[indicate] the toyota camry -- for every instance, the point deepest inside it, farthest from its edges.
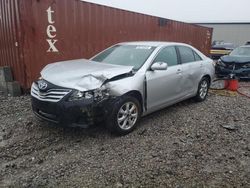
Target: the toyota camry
(121, 84)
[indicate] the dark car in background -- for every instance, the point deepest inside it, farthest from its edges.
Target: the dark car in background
(236, 63)
(220, 48)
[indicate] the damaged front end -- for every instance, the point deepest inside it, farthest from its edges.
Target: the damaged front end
(233, 66)
(76, 108)
(76, 100)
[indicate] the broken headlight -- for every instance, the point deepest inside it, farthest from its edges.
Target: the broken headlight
(220, 63)
(246, 66)
(97, 95)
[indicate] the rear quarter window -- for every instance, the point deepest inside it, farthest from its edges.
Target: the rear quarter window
(196, 56)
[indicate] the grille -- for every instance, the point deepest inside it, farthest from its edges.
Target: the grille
(52, 95)
(237, 66)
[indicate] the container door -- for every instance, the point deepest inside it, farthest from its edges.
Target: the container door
(10, 34)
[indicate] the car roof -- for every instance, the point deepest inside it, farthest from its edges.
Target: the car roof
(245, 46)
(152, 43)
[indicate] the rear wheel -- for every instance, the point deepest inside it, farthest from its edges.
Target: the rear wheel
(202, 90)
(124, 116)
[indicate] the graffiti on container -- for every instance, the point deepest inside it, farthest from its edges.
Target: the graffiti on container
(51, 32)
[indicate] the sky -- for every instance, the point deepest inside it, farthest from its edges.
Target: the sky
(193, 11)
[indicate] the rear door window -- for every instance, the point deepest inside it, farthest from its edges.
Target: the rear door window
(167, 55)
(186, 54)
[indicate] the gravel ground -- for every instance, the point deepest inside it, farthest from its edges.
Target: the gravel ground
(186, 145)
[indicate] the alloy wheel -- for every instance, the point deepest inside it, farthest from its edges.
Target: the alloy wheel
(203, 89)
(127, 115)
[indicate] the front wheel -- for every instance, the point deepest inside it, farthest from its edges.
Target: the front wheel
(124, 116)
(202, 90)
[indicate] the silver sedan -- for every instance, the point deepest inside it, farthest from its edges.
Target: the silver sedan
(122, 84)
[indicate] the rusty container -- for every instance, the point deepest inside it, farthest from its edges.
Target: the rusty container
(34, 33)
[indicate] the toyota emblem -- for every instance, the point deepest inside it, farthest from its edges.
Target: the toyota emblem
(42, 85)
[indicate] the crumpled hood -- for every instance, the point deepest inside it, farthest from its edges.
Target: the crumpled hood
(235, 59)
(82, 74)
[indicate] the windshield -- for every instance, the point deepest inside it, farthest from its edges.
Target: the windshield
(128, 55)
(241, 51)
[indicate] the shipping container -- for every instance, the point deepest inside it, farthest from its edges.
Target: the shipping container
(34, 33)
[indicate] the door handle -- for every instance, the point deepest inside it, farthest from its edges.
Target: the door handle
(179, 71)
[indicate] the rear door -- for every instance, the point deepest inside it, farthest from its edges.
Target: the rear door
(191, 65)
(163, 86)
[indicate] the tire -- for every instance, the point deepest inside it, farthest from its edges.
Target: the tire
(202, 90)
(124, 116)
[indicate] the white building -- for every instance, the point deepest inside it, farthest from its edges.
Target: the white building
(236, 33)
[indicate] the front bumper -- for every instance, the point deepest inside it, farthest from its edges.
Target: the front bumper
(53, 105)
(77, 113)
(243, 73)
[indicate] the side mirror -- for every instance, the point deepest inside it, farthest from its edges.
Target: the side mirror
(159, 66)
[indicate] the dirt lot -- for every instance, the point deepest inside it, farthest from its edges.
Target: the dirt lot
(187, 145)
